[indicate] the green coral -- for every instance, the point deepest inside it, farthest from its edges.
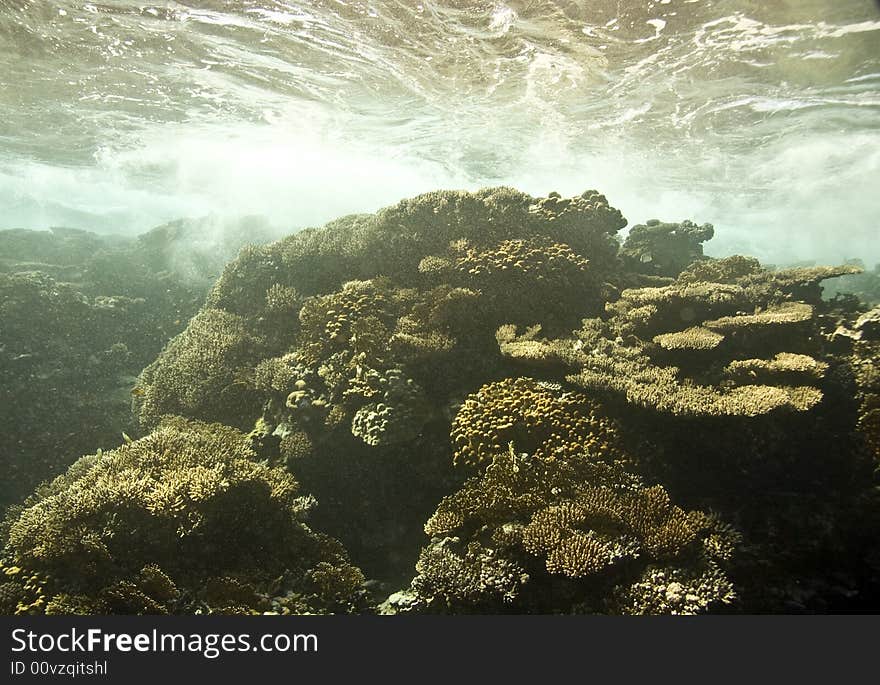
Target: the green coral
(665, 249)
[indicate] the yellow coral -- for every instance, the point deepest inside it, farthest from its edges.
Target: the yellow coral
(536, 417)
(601, 526)
(188, 498)
(785, 313)
(696, 338)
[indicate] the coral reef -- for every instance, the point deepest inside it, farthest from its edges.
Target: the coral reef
(557, 535)
(353, 343)
(82, 315)
(576, 425)
(500, 246)
(866, 365)
(535, 416)
(522, 281)
(664, 249)
(183, 520)
(553, 528)
(200, 373)
(865, 285)
(691, 348)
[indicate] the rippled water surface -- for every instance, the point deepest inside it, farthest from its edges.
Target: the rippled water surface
(761, 117)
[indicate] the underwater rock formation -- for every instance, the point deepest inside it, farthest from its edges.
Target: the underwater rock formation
(184, 520)
(664, 249)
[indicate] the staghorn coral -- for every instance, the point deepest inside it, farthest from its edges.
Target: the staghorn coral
(142, 528)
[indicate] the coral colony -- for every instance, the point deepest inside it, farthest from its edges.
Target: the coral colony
(465, 403)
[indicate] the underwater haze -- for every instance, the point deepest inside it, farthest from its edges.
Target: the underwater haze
(463, 307)
(760, 117)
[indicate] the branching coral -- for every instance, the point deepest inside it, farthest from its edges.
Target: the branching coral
(140, 527)
(600, 526)
(555, 516)
(201, 374)
(550, 523)
(785, 313)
